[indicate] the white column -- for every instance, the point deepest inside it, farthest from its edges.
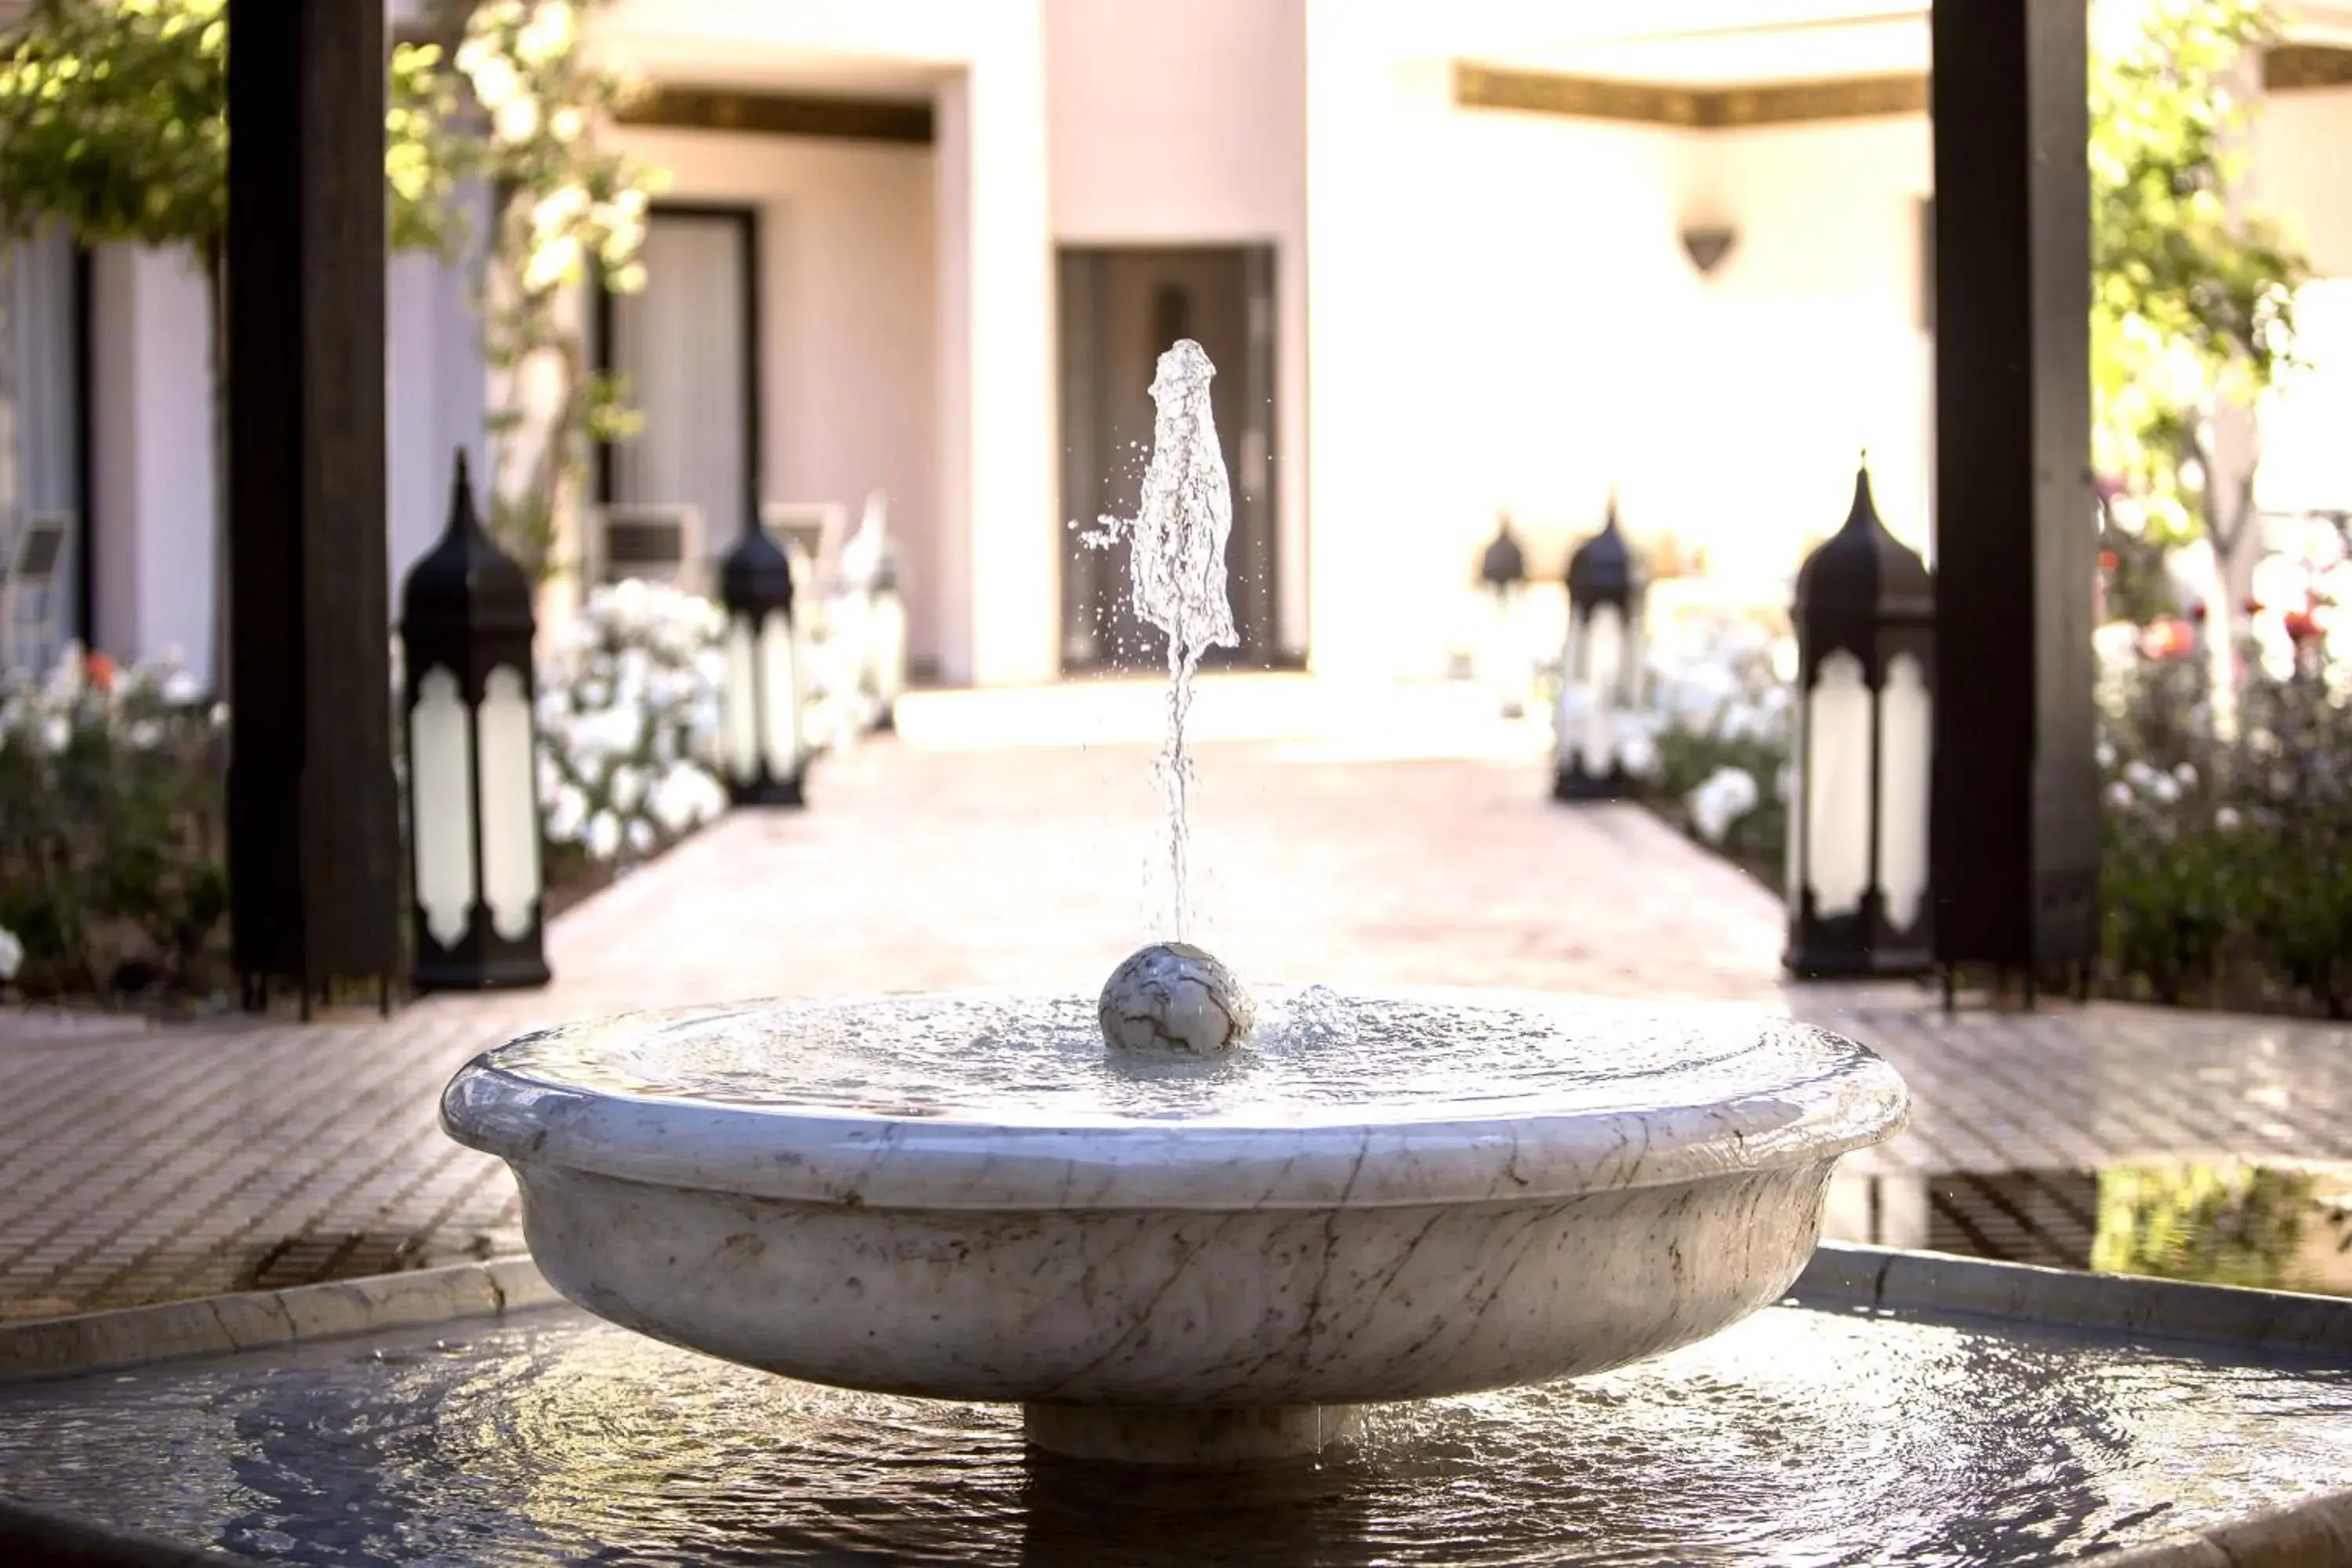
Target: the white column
(1355, 410)
(152, 455)
(999, 540)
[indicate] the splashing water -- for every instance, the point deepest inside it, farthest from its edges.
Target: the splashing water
(1177, 566)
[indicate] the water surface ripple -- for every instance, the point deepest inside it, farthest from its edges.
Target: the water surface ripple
(1799, 1436)
(1316, 1053)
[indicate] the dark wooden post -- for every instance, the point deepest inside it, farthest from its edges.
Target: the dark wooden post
(2014, 836)
(314, 833)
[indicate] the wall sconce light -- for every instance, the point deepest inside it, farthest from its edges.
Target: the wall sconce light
(1707, 245)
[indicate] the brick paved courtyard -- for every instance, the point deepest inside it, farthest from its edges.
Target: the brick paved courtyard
(139, 1164)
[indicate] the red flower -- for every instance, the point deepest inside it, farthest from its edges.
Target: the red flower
(2108, 561)
(2302, 627)
(2167, 639)
(98, 670)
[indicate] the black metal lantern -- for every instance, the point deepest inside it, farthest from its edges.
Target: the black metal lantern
(1862, 739)
(760, 746)
(1599, 667)
(466, 629)
(1503, 570)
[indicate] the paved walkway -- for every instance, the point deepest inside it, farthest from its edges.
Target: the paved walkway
(139, 1164)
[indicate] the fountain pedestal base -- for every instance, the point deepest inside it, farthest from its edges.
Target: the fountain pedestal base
(1139, 1436)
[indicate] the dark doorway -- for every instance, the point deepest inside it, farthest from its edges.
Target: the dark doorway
(686, 349)
(1120, 309)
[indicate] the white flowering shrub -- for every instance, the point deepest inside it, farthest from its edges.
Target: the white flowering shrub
(629, 708)
(112, 871)
(1709, 742)
(1724, 797)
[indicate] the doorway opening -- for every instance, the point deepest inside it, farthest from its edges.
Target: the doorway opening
(687, 350)
(1121, 308)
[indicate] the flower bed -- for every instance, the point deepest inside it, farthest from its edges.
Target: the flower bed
(1707, 747)
(113, 879)
(111, 807)
(628, 728)
(2224, 879)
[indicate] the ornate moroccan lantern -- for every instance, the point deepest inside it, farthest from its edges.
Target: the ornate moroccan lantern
(1601, 666)
(466, 629)
(1863, 738)
(760, 746)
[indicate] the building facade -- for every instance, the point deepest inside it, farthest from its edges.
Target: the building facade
(1448, 259)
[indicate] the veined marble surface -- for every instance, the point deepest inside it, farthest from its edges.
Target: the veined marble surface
(1375, 1198)
(987, 1101)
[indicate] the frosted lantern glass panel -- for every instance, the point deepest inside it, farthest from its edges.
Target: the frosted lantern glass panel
(1903, 729)
(440, 805)
(1837, 786)
(740, 741)
(510, 813)
(1604, 650)
(779, 695)
(1499, 660)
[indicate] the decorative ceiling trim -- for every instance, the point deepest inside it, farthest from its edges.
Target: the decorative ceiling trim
(1690, 107)
(2288, 68)
(905, 121)
(2294, 68)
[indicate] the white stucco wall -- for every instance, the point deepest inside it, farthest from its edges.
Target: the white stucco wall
(848, 305)
(2300, 143)
(435, 398)
(983, 60)
(1806, 346)
(151, 457)
(1498, 307)
(1186, 124)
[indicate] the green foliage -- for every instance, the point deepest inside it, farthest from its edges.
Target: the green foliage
(2192, 304)
(112, 867)
(114, 122)
(2220, 1225)
(2222, 878)
(567, 208)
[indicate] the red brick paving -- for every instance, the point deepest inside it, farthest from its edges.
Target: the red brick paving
(139, 1165)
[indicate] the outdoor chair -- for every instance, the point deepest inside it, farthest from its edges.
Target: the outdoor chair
(29, 593)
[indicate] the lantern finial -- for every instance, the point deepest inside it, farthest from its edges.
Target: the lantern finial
(462, 516)
(1865, 512)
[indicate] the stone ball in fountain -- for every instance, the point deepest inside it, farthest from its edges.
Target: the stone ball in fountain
(1172, 999)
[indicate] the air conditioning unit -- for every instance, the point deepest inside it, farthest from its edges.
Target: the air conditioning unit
(654, 543)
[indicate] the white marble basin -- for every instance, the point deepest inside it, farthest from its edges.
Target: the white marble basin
(1376, 1198)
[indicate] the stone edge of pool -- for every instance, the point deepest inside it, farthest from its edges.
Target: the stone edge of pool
(2312, 1531)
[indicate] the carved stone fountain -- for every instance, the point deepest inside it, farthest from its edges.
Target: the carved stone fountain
(1178, 1224)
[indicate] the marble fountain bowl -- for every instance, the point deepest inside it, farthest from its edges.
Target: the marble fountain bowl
(1376, 1198)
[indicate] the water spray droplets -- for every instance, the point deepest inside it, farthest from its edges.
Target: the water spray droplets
(1177, 563)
